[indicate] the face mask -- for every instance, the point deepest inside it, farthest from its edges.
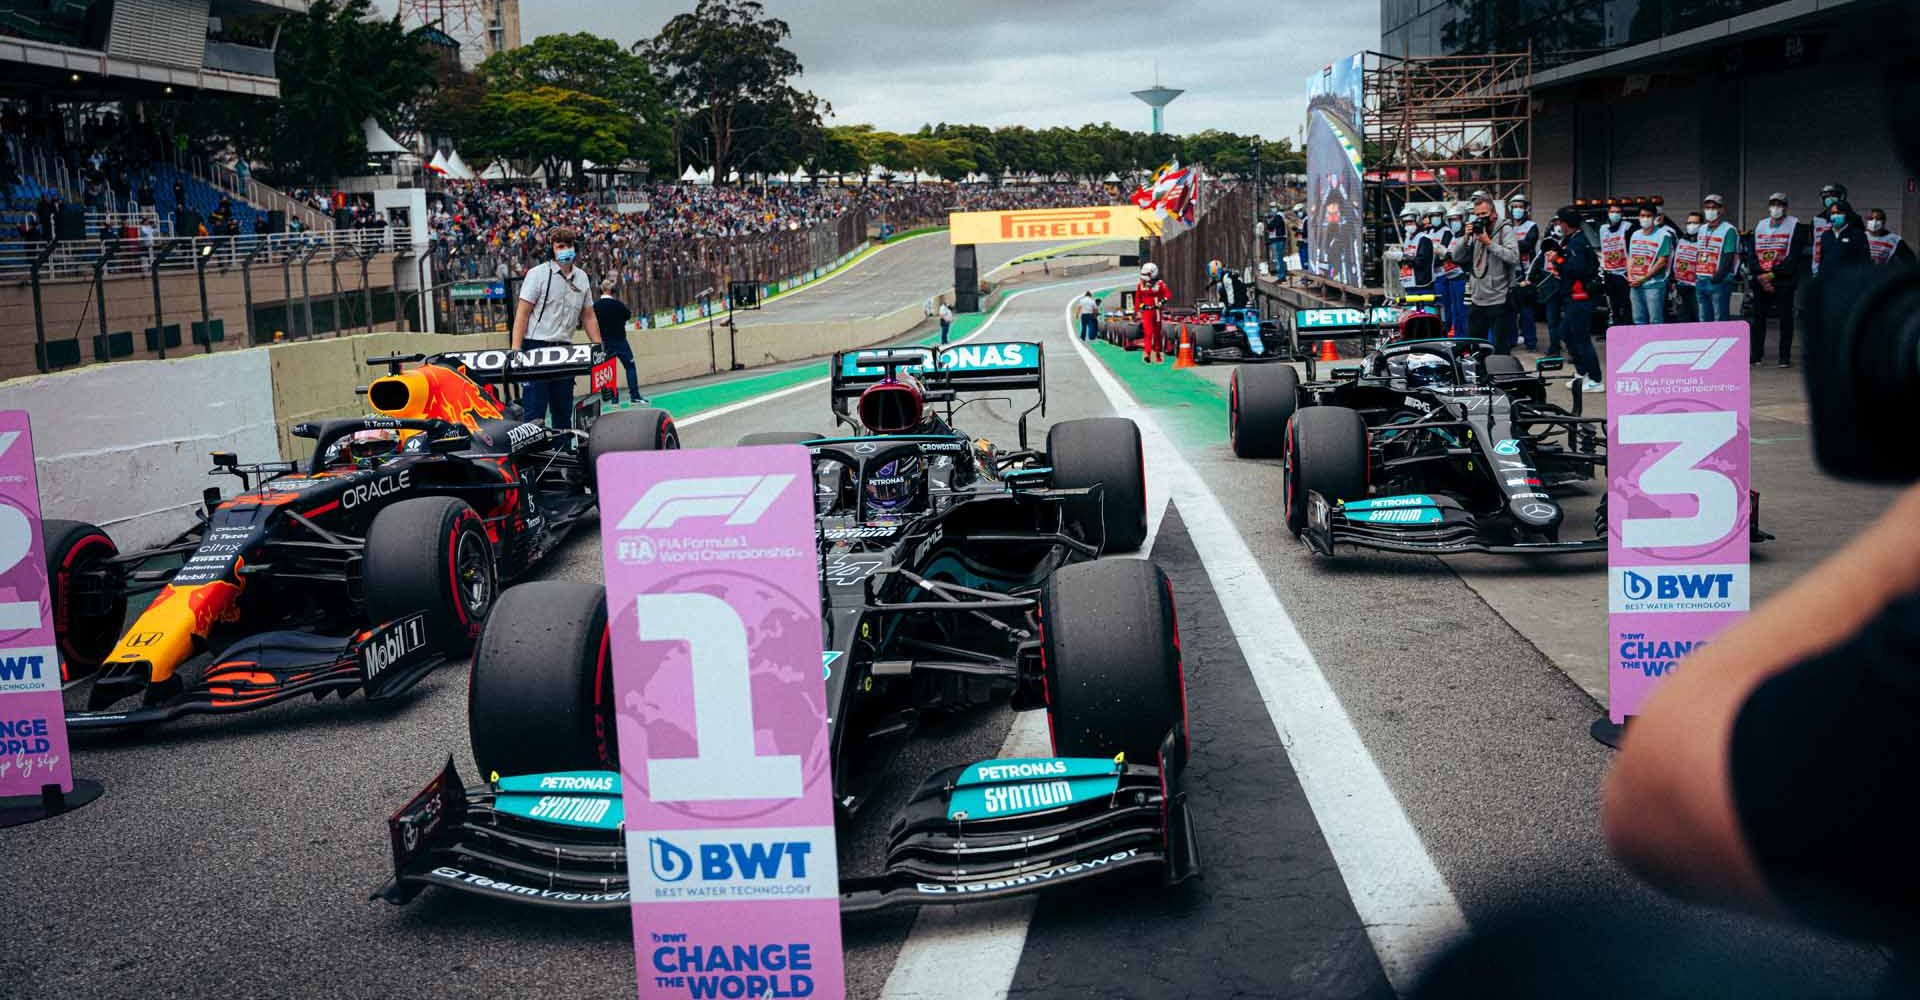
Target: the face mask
(1646, 222)
(1828, 200)
(1712, 214)
(563, 254)
(1876, 224)
(1777, 211)
(1456, 225)
(1519, 213)
(1693, 229)
(1837, 219)
(1411, 229)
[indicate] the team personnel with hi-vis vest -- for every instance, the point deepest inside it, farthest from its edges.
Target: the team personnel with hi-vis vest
(1779, 245)
(1526, 236)
(1649, 258)
(1614, 234)
(1719, 252)
(1416, 255)
(1453, 277)
(1882, 243)
(1686, 260)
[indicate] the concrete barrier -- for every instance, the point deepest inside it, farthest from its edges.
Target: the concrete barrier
(125, 445)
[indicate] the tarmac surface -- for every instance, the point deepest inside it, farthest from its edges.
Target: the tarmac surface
(235, 856)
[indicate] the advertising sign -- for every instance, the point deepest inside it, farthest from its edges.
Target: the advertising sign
(1120, 222)
(1678, 516)
(713, 583)
(1336, 224)
(33, 720)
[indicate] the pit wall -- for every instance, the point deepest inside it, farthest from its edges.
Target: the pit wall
(125, 445)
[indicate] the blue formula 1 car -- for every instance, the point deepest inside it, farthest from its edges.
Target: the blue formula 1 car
(941, 556)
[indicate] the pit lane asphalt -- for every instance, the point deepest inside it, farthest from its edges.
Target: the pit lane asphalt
(234, 856)
(901, 274)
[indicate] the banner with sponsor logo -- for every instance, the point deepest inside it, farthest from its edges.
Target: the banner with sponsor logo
(713, 584)
(1678, 516)
(1119, 222)
(33, 721)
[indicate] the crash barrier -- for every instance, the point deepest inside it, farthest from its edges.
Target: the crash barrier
(1223, 232)
(68, 304)
(669, 281)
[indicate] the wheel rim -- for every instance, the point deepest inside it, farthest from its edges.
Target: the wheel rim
(473, 581)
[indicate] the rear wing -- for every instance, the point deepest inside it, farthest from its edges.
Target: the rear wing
(496, 365)
(945, 372)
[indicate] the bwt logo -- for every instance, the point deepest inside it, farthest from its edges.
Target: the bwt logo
(1676, 586)
(726, 862)
(1696, 355)
(21, 668)
(739, 499)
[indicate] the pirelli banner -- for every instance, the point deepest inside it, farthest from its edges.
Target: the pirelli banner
(1119, 222)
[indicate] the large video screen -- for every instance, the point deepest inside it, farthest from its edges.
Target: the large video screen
(1336, 225)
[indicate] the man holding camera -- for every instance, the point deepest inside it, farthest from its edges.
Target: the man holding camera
(1490, 254)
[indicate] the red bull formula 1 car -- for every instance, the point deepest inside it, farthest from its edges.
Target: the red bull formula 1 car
(953, 575)
(359, 569)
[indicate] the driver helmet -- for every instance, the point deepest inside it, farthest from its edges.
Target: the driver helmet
(893, 486)
(892, 406)
(1149, 270)
(1214, 267)
(1424, 369)
(366, 446)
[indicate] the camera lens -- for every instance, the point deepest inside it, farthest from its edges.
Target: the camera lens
(1863, 371)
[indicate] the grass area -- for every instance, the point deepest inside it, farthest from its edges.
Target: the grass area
(1193, 409)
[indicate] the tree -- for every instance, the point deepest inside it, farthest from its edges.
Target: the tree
(337, 66)
(716, 62)
(552, 126)
(588, 64)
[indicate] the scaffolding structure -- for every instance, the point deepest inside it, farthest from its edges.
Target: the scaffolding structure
(481, 27)
(1440, 128)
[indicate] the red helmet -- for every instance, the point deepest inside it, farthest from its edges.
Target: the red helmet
(892, 406)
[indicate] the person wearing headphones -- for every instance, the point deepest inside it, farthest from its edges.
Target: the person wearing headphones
(555, 297)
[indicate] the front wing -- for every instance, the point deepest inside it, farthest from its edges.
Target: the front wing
(455, 838)
(1437, 527)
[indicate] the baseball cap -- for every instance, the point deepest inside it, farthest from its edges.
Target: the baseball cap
(1568, 215)
(1713, 199)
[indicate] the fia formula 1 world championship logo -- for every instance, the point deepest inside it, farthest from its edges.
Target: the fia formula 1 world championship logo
(1696, 355)
(741, 500)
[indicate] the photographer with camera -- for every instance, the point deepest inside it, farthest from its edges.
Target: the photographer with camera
(1490, 254)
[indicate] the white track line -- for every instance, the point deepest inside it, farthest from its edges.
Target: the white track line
(1402, 900)
(973, 950)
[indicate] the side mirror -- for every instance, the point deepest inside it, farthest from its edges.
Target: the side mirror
(226, 459)
(1347, 373)
(1552, 364)
(451, 443)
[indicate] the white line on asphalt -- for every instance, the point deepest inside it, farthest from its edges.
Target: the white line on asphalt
(1402, 900)
(963, 952)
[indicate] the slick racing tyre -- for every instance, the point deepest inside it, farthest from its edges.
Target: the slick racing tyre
(646, 429)
(777, 437)
(1205, 336)
(541, 697)
(1104, 451)
(432, 555)
(1504, 364)
(86, 625)
(1326, 453)
(1110, 652)
(1260, 401)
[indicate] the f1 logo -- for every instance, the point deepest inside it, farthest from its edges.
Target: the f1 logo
(1697, 355)
(739, 499)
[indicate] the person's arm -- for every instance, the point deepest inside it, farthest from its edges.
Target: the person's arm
(521, 314)
(1460, 250)
(1669, 808)
(1903, 251)
(590, 322)
(1503, 247)
(1661, 258)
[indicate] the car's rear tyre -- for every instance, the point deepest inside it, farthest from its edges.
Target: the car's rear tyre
(85, 626)
(1326, 453)
(1110, 653)
(1504, 364)
(431, 555)
(1104, 451)
(1260, 401)
(541, 696)
(644, 429)
(1204, 339)
(777, 437)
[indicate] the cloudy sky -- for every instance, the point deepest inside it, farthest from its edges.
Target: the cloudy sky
(899, 64)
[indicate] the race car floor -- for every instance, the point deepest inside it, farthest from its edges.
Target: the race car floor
(1383, 758)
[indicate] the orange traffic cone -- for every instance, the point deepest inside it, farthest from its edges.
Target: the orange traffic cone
(1185, 358)
(1328, 352)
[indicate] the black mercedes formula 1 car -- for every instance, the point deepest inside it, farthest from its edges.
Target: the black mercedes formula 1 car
(358, 569)
(1426, 445)
(953, 575)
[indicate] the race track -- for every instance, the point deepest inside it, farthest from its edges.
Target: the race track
(1387, 750)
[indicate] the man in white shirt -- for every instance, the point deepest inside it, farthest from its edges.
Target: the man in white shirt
(555, 297)
(1088, 309)
(946, 321)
